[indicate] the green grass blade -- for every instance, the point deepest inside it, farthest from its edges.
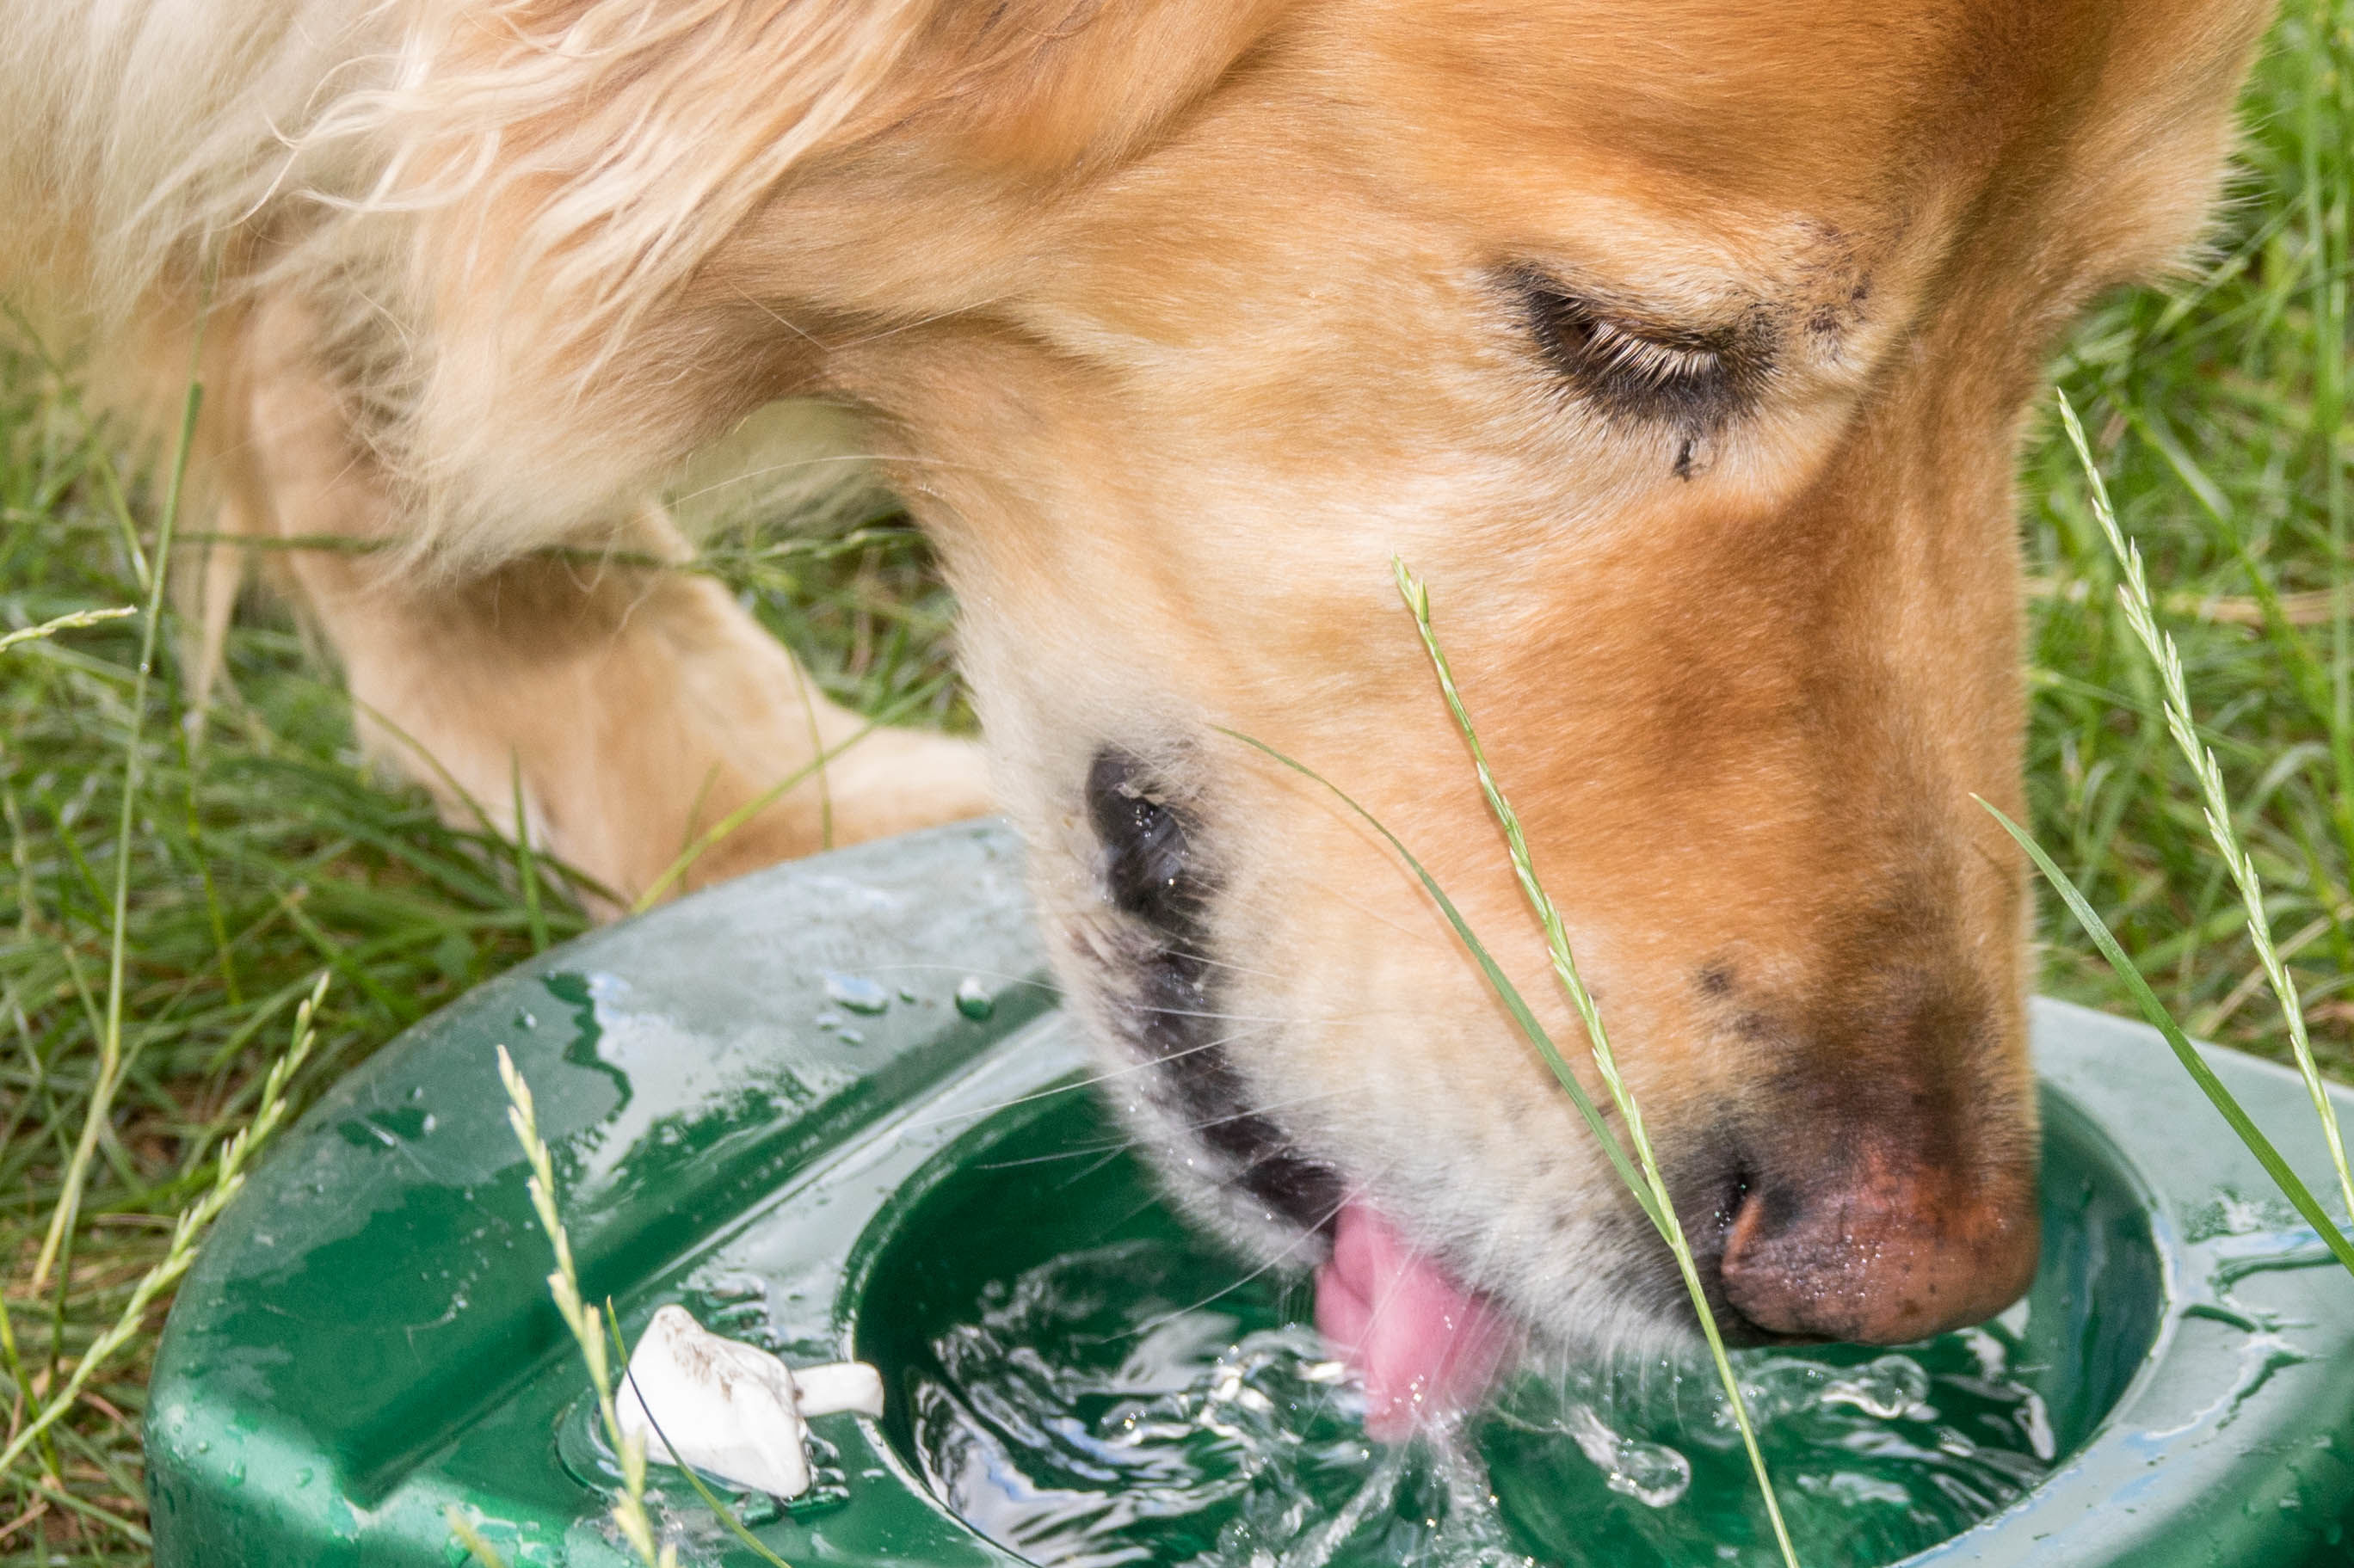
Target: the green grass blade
(1564, 965)
(112, 1065)
(462, 1530)
(744, 813)
(526, 863)
(726, 1515)
(629, 1510)
(2289, 1182)
(72, 622)
(2132, 594)
(1502, 983)
(802, 684)
(187, 1231)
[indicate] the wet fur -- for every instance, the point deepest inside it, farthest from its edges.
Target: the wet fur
(1174, 320)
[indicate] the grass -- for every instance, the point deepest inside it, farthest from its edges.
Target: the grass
(1661, 1209)
(2217, 411)
(2134, 598)
(1641, 1175)
(629, 1510)
(262, 854)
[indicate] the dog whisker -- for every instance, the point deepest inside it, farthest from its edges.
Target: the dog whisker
(1092, 1081)
(1267, 1266)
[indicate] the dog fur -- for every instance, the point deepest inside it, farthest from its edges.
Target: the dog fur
(1682, 345)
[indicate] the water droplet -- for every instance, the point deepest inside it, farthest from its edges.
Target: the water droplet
(973, 998)
(2035, 1420)
(1851, 1490)
(1887, 1387)
(856, 992)
(1651, 1473)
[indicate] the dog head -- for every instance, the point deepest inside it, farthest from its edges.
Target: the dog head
(1680, 347)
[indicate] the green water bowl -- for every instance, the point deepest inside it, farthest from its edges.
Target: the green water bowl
(823, 1105)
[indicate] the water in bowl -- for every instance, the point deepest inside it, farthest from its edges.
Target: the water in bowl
(1088, 1384)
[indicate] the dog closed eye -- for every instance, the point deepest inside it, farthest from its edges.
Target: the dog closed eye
(1693, 379)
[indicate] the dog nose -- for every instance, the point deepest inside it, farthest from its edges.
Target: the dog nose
(1874, 1246)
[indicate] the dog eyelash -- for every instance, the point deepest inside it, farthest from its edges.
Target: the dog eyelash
(1690, 380)
(1622, 353)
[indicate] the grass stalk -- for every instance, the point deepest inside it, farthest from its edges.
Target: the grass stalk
(2324, 224)
(478, 1547)
(1506, 991)
(92, 443)
(2292, 1186)
(526, 860)
(1662, 1208)
(74, 621)
(189, 1229)
(1643, 1182)
(111, 1062)
(263, 851)
(725, 1515)
(2134, 596)
(704, 842)
(629, 1513)
(801, 683)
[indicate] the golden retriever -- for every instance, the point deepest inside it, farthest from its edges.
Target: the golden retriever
(1682, 345)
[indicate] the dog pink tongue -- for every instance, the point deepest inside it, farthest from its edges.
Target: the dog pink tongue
(1426, 1347)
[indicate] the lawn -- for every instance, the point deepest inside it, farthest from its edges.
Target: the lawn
(260, 853)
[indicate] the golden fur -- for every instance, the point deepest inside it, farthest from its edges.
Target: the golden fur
(1175, 320)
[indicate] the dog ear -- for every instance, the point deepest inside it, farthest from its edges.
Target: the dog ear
(567, 171)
